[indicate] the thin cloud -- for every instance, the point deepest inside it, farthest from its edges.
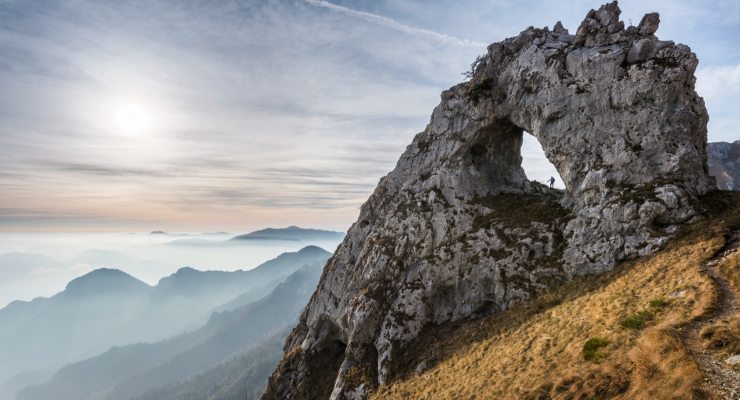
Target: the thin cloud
(401, 27)
(106, 171)
(267, 113)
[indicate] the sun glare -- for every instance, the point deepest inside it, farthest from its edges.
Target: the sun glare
(132, 118)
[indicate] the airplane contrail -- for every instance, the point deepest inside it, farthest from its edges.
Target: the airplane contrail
(393, 24)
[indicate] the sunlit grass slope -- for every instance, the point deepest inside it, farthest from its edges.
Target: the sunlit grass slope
(722, 338)
(612, 336)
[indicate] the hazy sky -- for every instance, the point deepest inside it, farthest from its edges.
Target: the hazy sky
(232, 115)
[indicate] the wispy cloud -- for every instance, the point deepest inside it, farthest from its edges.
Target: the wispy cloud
(396, 25)
(264, 112)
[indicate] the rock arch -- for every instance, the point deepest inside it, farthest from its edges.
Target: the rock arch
(454, 231)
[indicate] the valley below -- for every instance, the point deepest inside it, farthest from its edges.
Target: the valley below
(142, 340)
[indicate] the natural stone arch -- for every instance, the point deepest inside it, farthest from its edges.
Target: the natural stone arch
(495, 154)
(453, 232)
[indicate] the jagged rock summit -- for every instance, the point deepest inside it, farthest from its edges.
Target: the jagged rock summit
(456, 230)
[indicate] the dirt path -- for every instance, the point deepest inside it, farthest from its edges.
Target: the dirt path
(720, 376)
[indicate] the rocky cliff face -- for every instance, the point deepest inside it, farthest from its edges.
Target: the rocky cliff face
(724, 164)
(457, 231)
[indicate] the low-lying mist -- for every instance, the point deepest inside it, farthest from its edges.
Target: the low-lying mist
(187, 323)
(41, 264)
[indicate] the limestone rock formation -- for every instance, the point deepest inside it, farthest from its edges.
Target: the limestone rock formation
(724, 164)
(456, 230)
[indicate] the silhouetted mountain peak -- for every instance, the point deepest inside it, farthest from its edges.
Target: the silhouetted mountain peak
(188, 279)
(104, 280)
(312, 250)
(186, 270)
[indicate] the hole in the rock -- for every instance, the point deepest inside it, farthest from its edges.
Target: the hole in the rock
(536, 165)
(505, 156)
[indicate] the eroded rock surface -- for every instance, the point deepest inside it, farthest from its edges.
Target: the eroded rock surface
(456, 231)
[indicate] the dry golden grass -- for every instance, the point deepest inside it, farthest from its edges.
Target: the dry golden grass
(730, 269)
(535, 351)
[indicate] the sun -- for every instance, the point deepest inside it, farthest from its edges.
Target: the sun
(132, 118)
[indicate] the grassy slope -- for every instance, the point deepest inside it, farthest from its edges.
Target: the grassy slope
(536, 351)
(722, 338)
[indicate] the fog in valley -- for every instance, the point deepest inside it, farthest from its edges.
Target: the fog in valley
(176, 305)
(41, 264)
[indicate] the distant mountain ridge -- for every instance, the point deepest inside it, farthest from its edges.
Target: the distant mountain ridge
(723, 160)
(248, 337)
(105, 280)
(291, 233)
(109, 307)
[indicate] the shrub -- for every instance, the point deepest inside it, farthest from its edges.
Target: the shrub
(479, 90)
(658, 303)
(592, 349)
(637, 321)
